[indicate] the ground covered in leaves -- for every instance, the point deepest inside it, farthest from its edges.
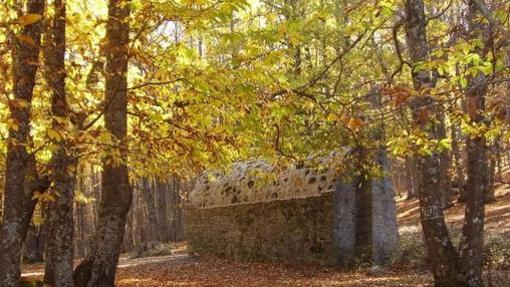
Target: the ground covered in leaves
(215, 272)
(409, 269)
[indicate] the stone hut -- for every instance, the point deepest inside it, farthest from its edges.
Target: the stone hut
(302, 215)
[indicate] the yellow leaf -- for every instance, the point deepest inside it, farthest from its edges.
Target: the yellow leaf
(13, 125)
(54, 134)
(36, 195)
(355, 123)
(105, 138)
(332, 117)
(29, 19)
(26, 39)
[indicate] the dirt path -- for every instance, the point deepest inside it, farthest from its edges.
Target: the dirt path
(37, 270)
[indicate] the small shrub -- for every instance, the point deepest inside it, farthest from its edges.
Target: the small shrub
(160, 249)
(411, 252)
(497, 251)
(497, 259)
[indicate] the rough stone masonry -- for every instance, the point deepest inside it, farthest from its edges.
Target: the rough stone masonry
(300, 215)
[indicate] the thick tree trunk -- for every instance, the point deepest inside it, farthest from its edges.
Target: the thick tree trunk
(80, 217)
(442, 255)
(471, 248)
(59, 253)
(490, 192)
(98, 269)
(129, 241)
(18, 203)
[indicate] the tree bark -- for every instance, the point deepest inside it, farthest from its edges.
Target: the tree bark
(444, 166)
(471, 247)
(142, 228)
(174, 186)
(59, 249)
(18, 202)
(458, 162)
(34, 244)
(490, 191)
(442, 255)
(98, 269)
(163, 222)
(412, 178)
(148, 196)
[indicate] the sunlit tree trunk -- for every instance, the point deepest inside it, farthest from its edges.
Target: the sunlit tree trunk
(18, 202)
(99, 268)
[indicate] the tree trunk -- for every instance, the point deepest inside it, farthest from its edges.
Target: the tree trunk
(444, 166)
(412, 178)
(364, 219)
(18, 202)
(176, 224)
(80, 217)
(142, 228)
(33, 250)
(98, 269)
(490, 193)
(148, 196)
(129, 241)
(458, 162)
(471, 247)
(163, 223)
(59, 253)
(442, 255)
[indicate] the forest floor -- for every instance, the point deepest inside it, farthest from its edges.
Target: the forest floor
(181, 269)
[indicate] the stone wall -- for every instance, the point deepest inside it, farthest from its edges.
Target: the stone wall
(296, 230)
(310, 215)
